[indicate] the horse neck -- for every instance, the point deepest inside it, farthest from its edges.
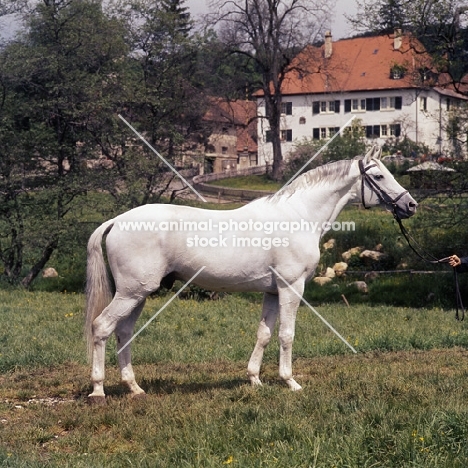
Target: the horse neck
(326, 199)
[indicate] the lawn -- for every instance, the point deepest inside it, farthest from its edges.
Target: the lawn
(402, 401)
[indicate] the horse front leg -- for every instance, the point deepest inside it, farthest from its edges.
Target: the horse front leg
(265, 330)
(288, 304)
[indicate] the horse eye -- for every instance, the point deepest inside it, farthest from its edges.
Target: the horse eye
(378, 177)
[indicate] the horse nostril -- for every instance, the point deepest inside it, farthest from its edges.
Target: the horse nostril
(413, 205)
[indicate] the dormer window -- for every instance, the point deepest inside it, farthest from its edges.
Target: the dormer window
(397, 72)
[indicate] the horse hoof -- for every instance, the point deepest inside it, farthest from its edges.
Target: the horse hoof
(96, 400)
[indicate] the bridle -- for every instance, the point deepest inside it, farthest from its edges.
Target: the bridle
(388, 200)
(374, 186)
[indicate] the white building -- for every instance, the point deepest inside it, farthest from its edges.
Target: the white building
(387, 82)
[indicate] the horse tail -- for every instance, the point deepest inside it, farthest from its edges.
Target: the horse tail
(98, 288)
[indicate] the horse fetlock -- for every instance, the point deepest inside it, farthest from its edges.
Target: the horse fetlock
(255, 381)
(293, 385)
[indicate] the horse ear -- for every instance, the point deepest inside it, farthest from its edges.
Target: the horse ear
(378, 153)
(369, 155)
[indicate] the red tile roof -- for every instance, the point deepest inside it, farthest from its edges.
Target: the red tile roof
(241, 114)
(358, 64)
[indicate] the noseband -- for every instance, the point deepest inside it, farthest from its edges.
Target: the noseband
(381, 195)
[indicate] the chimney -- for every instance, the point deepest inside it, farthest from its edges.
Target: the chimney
(397, 39)
(328, 45)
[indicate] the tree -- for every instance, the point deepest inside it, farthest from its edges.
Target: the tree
(163, 100)
(352, 143)
(56, 78)
(269, 33)
(440, 26)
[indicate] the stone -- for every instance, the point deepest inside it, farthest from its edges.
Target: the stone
(349, 253)
(330, 273)
(371, 255)
(321, 280)
(340, 268)
(49, 273)
(330, 244)
(371, 276)
(361, 286)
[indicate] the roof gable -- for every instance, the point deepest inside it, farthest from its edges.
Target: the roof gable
(357, 64)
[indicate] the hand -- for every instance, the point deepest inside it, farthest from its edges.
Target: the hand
(454, 261)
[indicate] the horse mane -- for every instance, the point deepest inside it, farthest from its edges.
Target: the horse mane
(317, 176)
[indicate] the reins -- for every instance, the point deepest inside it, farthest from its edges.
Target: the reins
(425, 256)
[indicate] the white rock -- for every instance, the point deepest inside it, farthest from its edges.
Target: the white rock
(361, 286)
(321, 280)
(339, 268)
(50, 273)
(329, 244)
(330, 273)
(349, 253)
(372, 255)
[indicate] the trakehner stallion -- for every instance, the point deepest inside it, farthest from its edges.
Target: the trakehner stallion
(141, 260)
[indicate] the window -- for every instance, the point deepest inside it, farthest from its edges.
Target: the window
(373, 104)
(383, 130)
(326, 107)
(286, 135)
(302, 121)
(383, 103)
(224, 150)
(355, 105)
(373, 131)
(286, 108)
(268, 136)
(324, 132)
(332, 131)
(423, 103)
(395, 130)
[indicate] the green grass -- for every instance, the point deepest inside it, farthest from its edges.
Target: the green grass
(402, 401)
(250, 182)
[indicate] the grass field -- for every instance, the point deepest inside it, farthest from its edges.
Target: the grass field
(402, 401)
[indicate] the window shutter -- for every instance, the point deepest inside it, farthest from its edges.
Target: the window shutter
(337, 107)
(289, 108)
(368, 131)
(316, 133)
(376, 130)
(288, 135)
(398, 102)
(376, 103)
(397, 130)
(316, 107)
(347, 105)
(268, 136)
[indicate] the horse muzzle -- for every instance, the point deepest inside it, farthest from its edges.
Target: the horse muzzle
(405, 207)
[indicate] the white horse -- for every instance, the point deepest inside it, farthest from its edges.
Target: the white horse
(270, 245)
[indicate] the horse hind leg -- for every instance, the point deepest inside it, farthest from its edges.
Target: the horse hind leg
(103, 326)
(124, 333)
(288, 305)
(264, 334)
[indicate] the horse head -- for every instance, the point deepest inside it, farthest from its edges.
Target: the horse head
(378, 186)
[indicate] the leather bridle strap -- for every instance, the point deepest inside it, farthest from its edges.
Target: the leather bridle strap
(381, 195)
